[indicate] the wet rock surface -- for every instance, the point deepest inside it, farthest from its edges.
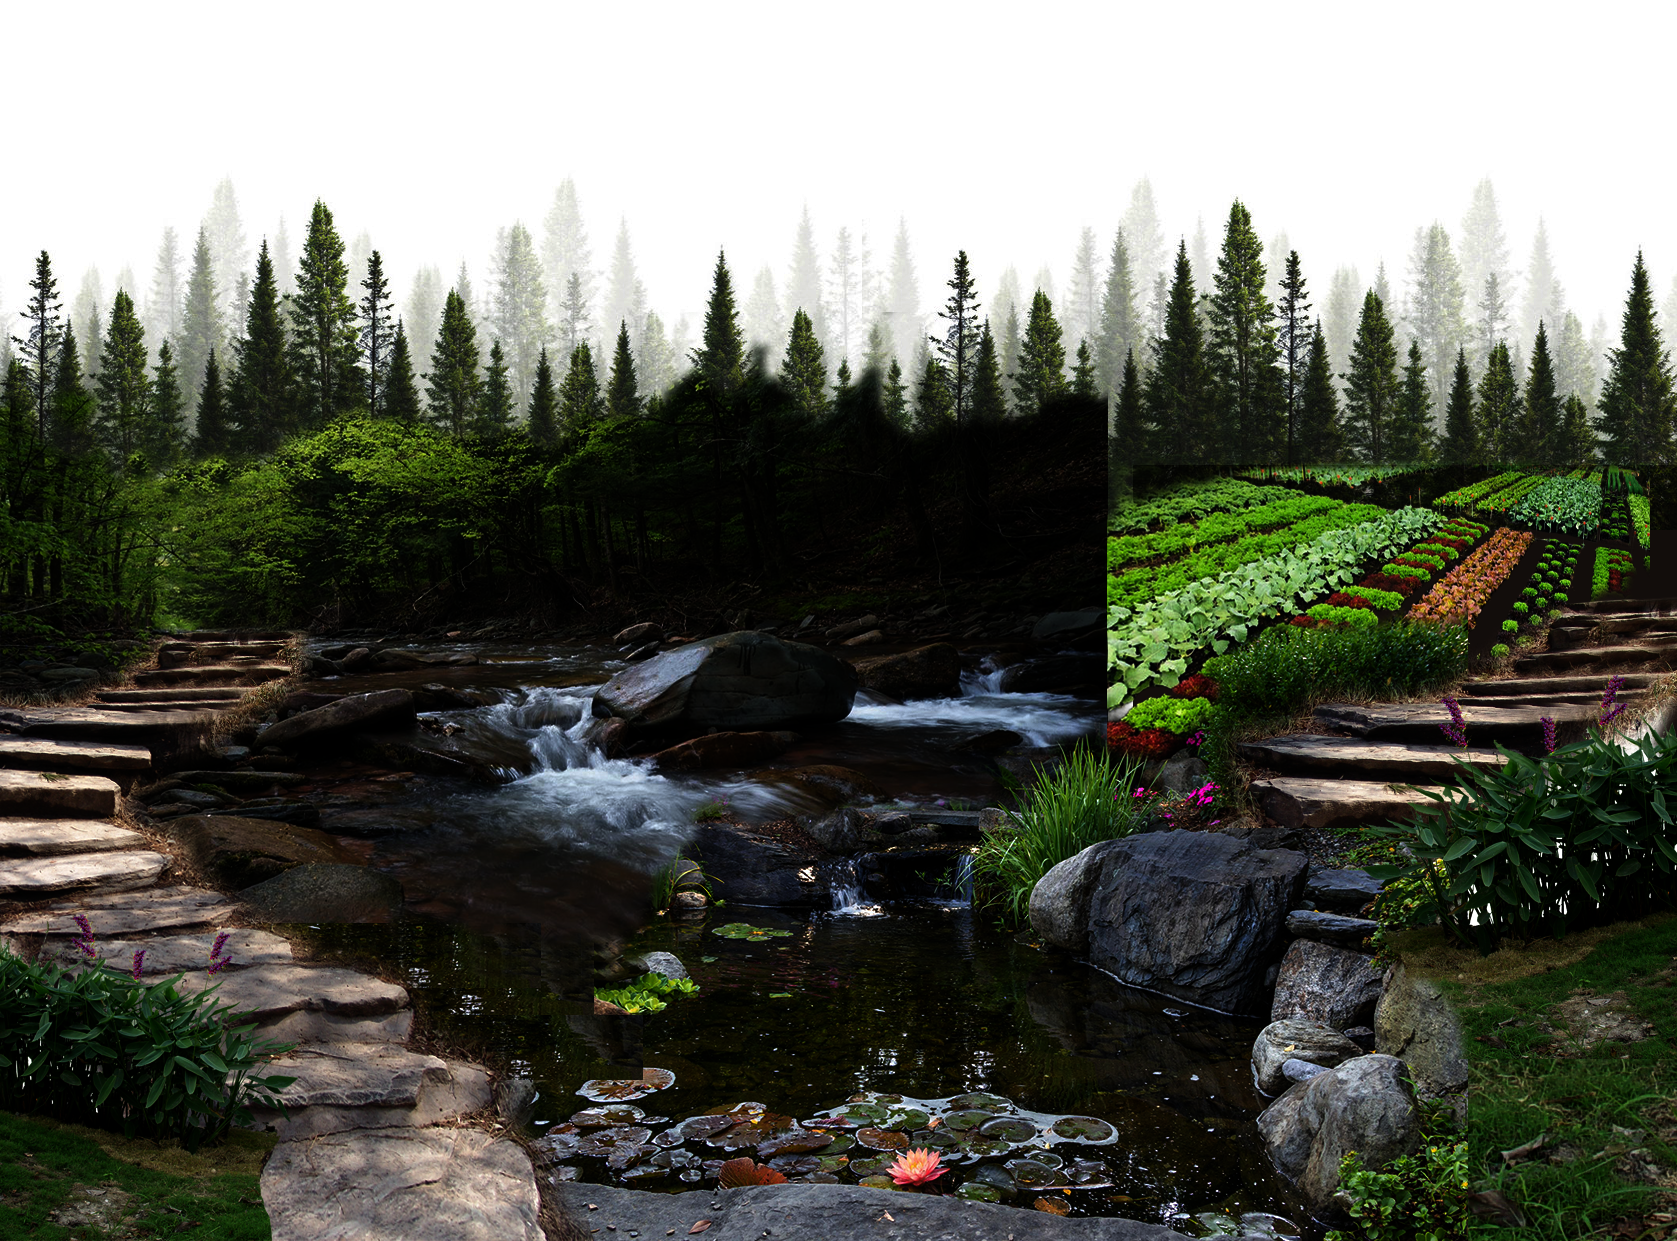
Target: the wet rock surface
(242, 852)
(354, 713)
(1334, 987)
(1364, 1105)
(1293, 1039)
(1413, 1021)
(324, 892)
(926, 672)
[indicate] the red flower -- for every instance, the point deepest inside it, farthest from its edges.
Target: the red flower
(1196, 686)
(1142, 742)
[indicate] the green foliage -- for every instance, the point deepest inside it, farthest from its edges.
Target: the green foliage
(100, 1047)
(1419, 1197)
(1384, 600)
(1354, 618)
(1175, 715)
(1510, 626)
(680, 875)
(1520, 609)
(1191, 502)
(1042, 358)
(648, 994)
(1214, 528)
(1500, 650)
(712, 810)
(1372, 389)
(1560, 505)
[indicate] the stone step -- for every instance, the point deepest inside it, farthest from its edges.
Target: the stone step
(60, 837)
(241, 781)
(1553, 700)
(210, 652)
(1330, 928)
(239, 637)
(1555, 685)
(170, 954)
(179, 693)
(267, 991)
(45, 754)
(34, 879)
(1355, 758)
(213, 674)
(305, 1026)
(53, 795)
(343, 1086)
(1610, 622)
(1648, 607)
(128, 913)
(168, 704)
(162, 730)
(1420, 721)
(1588, 656)
(1299, 801)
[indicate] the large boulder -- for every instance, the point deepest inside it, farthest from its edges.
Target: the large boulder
(1196, 915)
(1416, 1023)
(324, 892)
(1082, 675)
(926, 672)
(1332, 986)
(735, 682)
(724, 750)
(1060, 899)
(1364, 1105)
(744, 868)
(1281, 1041)
(385, 708)
(241, 852)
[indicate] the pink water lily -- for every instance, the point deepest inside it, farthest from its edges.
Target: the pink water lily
(917, 1167)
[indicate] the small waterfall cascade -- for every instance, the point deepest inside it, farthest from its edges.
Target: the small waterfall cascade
(961, 879)
(844, 880)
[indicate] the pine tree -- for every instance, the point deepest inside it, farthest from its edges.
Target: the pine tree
(762, 322)
(1120, 330)
(1435, 312)
(86, 315)
(1083, 374)
(1498, 411)
(163, 307)
(225, 233)
(933, 405)
(1144, 238)
(1371, 385)
(1345, 299)
(1577, 440)
(123, 387)
(625, 294)
(804, 370)
(451, 387)
(896, 396)
(877, 356)
(623, 398)
(565, 252)
(165, 427)
(1484, 245)
(1545, 300)
(1411, 436)
(518, 308)
(201, 322)
(1575, 360)
(1292, 338)
(543, 423)
(1179, 396)
(323, 337)
(989, 402)
(1637, 405)
(1542, 430)
(721, 360)
(425, 303)
(212, 437)
(803, 280)
(579, 398)
(1321, 436)
(1041, 369)
(1241, 348)
(261, 393)
(1129, 427)
(495, 398)
(1083, 291)
(70, 428)
(1460, 445)
(1492, 324)
(39, 347)
(573, 313)
(376, 334)
(399, 401)
(903, 300)
(957, 348)
(850, 284)
(657, 359)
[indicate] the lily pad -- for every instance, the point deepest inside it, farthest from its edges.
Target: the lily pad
(744, 930)
(560, 1175)
(796, 1142)
(973, 1191)
(1047, 1159)
(795, 1165)
(871, 1113)
(627, 1154)
(961, 1122)
(1028, 1174)
(832, 1163)
(882, 1139)
(997, 1178)
(982, 1101)
(871, 1167)
(878, 1182)
(740, 1111)
(1088, 1174)
(691, 1176)
(675, 1159)
(642, 1173)
(696, 1127)
(658, 1079)
(977, 1147)
(1008, 1129)
(1054, 1206)
(905, 1118)
(841, 1142)
(936, 1139)
(605, 1141)
(752, 1132)
(669, 1138)
(820, 1178)
(616, 1090)
(1083, 1129)
(605, 1117)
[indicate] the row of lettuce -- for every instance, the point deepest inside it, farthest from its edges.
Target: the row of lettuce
(1580, 504)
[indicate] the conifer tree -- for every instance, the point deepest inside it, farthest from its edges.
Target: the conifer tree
(1083, 374)
(543, 422)
(165, 427)
(625, 294)
(399, 401)
(38, 348)
(721, 359)
(70, 428)
(1637, 408)
(1293, 336)
(1241, 349)
(1436, 312)
(876, 356)
(1460, 445)
(957, 348)
(804, 369)
(260, 397)
(451, 387)
(989, 402)
(1411, 438)
(1321, 436)
(1542, 430)
(1577, 440)
(579, 398)
(201, 322)
(565, 252)
(1083, 291)
(495, 400)
(933, 405)
(163, 307)
(1498, 411)
(323, 341)
(1041, 368)
(123, 387)
(1179, 397)
(803, 281)
(213, 436)
(623, 398)
(376, 334)
(1119, 332)
(518, 307)
(1129, 425)
(1371, 385)
(896, 396)
(843, 381)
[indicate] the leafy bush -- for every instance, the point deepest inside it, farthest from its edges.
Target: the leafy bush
(1191, 501)
(1140, 743)
(1214, 528)
(1520, 609)
(1196, 686)
(1173, 715)
(100, 1048)
(1356, 618)
(1463, 497)
(1500, 650)
(1565, 505)
(1385, 600)
(1435, 549)
(1419, 1197)
(1287, 668)
(1406, 570)
(1510, 626)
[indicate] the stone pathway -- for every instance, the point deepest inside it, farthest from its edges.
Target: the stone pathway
(367, 1145)
(1344, 777)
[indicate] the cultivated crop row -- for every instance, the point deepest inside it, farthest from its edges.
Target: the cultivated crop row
(1213, 528)
(1335, 475)
(1570, 506)
(1466, 497)
(1462, 592)
(1194, 501)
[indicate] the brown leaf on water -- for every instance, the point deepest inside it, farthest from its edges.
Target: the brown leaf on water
(1052, 1205)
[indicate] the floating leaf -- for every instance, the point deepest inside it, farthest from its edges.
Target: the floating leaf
(1089, 1174)
(643, 1172)
(796, 1165)
(1028, 1174)
(878, 1182)
(612, 1090)
(602, 1117)
(972, 1191)
(1083, 1129)
(747, 1171)
(882, 1139)
(1054, 1206)
(605, 1141)
(984, 1148)
(658, 1079)
(1047, 1159)
(744, 930)
(695, 1127)
(870, 1112)
(797, 1142)
(981, 1101)
(627, 1154)
(905, 1118)
(960, 1122)
(870, 1167)
(1008, 1129)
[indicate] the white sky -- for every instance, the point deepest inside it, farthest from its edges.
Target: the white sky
(1001, 129)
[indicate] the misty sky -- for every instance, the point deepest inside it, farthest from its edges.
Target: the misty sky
(999, 129)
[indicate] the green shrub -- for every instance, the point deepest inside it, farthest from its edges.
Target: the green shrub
(1386, 600)
(1419, 1197)
(1405, 570)
(1355, 618)
(1520, 609)
(1530, 592)
(1510, 626)
(1499, 650)
(1175, 715)
(99, 1048)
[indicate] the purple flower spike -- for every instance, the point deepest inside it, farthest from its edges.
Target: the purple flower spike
(1548, 734)
(85, 943)
(139, 962)
(217, 961)
(1456, 729)
(1611, 708)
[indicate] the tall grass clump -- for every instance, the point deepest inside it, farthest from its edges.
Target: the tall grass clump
(1081, 804)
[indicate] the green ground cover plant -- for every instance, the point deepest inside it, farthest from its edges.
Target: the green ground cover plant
(1338, 475)
(1500, 502)
(1384, 600)
(1465, 497)
(1213, 528)
(650, 993)
(1569, 506)
(1193, 501)
(1174, 715)
(1356, 618)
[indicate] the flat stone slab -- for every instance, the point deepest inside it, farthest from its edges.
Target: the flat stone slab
(241, 781)
(171, 954)
(1554, 700)
(270, 990)
(1301, 801)
(347, 1086)
(127, 913)
(304, 1026)
(43, 753)
(1555, 685)
(823, 1213)
(403, 1185)
(1341, 889)
(181, 693)
(53, 795)
(1356, 758)
(59, 837)
(1584, 655)
(33, 879)
(1328, 928)
(106, 726)
(1421, 721)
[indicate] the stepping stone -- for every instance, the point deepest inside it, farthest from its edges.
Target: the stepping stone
(33, 879)
(183, 693)
(1661, 607)
(402, 1185)
(272, 990)
(1299, 801)
(317, 1027)
(171, 727)
(1354, 758)
(51, 795)
(1348, 889)
(1329, 928)
(43, 754)
(1556, 685)
(1584, 656)
(236, 637)
(127, 913)
(1421, 721)
(1553, 700)
(56, 837)
(360, 1086)
(213, 674)
(173, 704)
(171, 954)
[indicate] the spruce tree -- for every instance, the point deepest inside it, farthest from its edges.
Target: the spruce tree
(495, 400)
(1411, 437)
(543, 422)
(1120, 328)
(261, 395)
(989, 402)
(451, 387)
(123, 387)
(623, 398)
(579, 399)
(1542, 430)
(1371, 385)
(1577, 441)
(1179, 396)
(957, 348)
(1321, 435)
(38, 348)
(1041, 368)
(934, 407)
(399, 401)
(1241, 349)
(721, 359)
(1460, 445)
(1498, 410)
(1083, 374)
(201, 322)
(1129, 427)
(877, 356)
(843, 381)
(70, 427)
(518, 307)
(323, 343)
(1293, 336)
(1436, 310)
(376, 334)
(212, 437)
(804, 371)
(896, 396)
(573, 313)
(165, 431)
(1637, 408)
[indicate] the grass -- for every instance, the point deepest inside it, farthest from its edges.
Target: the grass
(1605, 1110)
(59, 1182)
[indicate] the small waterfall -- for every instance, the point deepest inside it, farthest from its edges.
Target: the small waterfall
(844, 880)
(962, 880)
(987, 680)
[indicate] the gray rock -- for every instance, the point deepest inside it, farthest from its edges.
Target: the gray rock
(37, 878)
(41, 753)
(358, 711)
(893, 823)
(1345, 890)
(1300, 1070)
(515, 1101)
(1309, 801)
(1293, 1039)
(242, 781)
(839, 831)
(305, 1026)
(128, 913)
(267, 991)
(402, 1185)
(1194, 915)
(1063, 626)
(827, 1213)
(746, 869)
(1334, 987)
(50, 795)
(64, 676)
(665, 964)
(170, 954)
(1359, 759)
(1416, 1023)
(926, 672)
(1365, 1105)
(641, 653)
(992, 820)
(733, 682)
(1183, 773)
(638, 635)
(1326, 928)
(241, 851)
(324, 892)
(851, 628)
(1059, 907)
(57, 837)
(370, 1086)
